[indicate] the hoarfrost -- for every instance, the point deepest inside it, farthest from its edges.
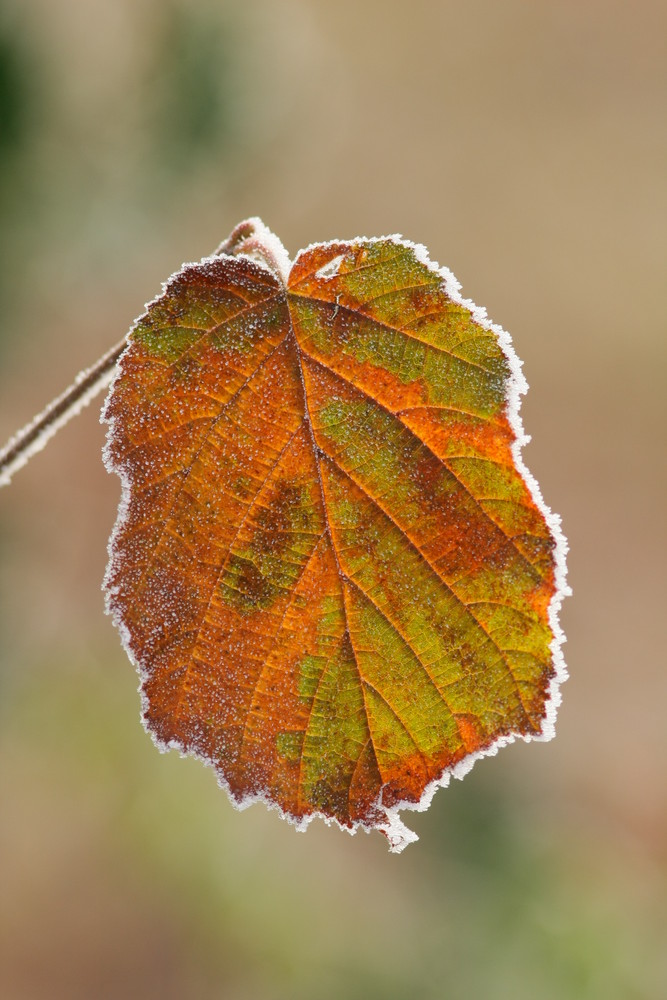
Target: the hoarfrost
(331, 268)
(397, 833)
(32, 438)
(255, 241)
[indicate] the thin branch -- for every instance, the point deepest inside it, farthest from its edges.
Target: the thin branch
(32, 438)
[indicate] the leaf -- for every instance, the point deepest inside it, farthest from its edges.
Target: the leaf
(336, 577)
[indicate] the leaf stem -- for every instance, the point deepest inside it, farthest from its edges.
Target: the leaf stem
(251, 238)
(33, 437)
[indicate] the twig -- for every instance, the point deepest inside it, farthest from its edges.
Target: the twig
(32, 438)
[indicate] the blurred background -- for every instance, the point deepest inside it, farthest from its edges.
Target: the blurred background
(526, 145)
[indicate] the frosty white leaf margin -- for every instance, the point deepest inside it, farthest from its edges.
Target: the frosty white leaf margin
(253, 239)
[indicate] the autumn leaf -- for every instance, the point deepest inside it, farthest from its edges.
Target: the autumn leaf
(330, 566)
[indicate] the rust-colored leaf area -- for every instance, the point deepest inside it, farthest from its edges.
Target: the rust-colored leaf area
(337, 585)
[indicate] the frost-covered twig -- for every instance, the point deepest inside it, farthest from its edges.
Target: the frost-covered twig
(253, 239)
(32, 438)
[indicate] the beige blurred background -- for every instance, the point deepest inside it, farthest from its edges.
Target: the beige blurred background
(526, 144)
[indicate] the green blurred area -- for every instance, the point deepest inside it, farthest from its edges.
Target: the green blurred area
(526, 146)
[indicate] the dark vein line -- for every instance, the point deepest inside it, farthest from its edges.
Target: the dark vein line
(367, 715)
(483, 334)
(364, 680)
(345, 246)
(449, 409)
(357, 312)
(187, 470)
(309, 720)
(531, 616)
(406, 642)
(534, 656)
(225, 562)
(399, 291)
(354, 773)
(274, 635)
(317, 453)
(428, 448)
(442, 310)
(431, 567)
(163, 434)
(217, 325)
(393, 711)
